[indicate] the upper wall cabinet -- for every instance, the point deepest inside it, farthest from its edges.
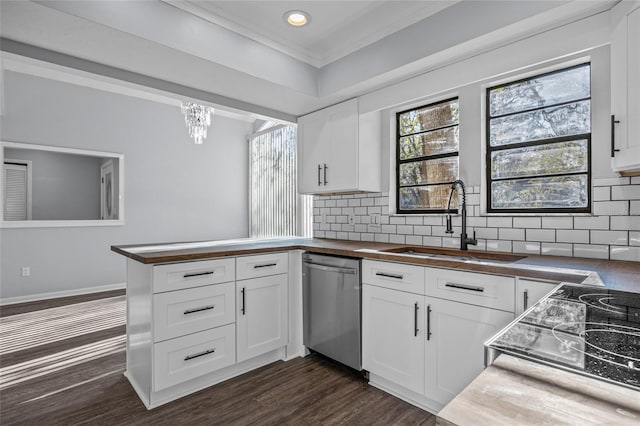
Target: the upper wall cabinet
(339, 150)
(625, 88)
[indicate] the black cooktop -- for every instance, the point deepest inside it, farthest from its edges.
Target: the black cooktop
(589, 330)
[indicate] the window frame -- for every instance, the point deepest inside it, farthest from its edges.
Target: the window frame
(399, 210)
(539, 142)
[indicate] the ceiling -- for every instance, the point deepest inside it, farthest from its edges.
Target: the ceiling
(240, 55)
(337, 28)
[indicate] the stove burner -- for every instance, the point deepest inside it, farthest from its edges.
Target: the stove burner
(605, 302)
(625, 360)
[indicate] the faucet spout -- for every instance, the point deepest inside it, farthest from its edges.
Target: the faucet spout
(465, 241)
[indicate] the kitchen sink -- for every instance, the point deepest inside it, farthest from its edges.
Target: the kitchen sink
(454, 255)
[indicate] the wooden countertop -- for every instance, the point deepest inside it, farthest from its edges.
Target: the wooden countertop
(620, 275)
(517, 391)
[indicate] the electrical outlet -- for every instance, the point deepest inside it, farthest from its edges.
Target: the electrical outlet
(26, 271)
(351, 219)
(375, 219)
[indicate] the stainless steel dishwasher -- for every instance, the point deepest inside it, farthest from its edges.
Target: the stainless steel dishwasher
(331, 290)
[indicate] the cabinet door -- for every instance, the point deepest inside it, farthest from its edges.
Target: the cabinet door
(528, 292)
(455, 347)
(313, 136)
(261, 315)
(342, 152)
(625, 84)
(391, 347)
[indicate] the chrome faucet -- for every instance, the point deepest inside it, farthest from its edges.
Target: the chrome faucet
(464, 241)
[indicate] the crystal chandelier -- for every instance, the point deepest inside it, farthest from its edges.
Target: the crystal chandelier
(197, 118)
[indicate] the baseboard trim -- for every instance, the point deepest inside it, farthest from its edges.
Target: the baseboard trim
(58, 294)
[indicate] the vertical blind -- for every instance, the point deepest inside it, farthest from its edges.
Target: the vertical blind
(15, 192)
(276, 208)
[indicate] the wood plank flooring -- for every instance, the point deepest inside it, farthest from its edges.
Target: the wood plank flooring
(77, 379)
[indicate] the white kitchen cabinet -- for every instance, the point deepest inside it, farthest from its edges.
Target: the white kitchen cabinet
(339, 150)
(625, 87)
(392, 337)
(261, 315)
(455, 335)
(528, 292)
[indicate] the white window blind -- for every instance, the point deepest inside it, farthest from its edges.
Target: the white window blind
(276, 208)
(15, 192)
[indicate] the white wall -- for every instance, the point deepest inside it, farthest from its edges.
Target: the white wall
(174, 190)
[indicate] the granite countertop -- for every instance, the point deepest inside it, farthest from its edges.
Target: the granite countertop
(517, 391)
(621, 275)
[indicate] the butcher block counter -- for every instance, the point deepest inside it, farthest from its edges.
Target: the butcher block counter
(515, 391)
(621, 275)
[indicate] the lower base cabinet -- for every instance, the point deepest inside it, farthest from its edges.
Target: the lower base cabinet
(455, 348)
(393, 344)
(261, 315)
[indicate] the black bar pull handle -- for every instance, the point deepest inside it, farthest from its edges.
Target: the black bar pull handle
(415, 319)
(428, 322)
(465, 287)
(319, 171)
(204, 308)
(242, 308)
(613, 135)
(198, 274)
(384, 274)
(264, 265)
(526, 299)
(325, 174)
(198, 355)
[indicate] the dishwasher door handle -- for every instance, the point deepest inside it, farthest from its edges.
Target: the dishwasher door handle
(328, 268)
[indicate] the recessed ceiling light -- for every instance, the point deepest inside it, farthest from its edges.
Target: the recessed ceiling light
(297, 18)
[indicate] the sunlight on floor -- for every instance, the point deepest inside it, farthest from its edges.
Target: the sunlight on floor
(24, 331)
(38, 367)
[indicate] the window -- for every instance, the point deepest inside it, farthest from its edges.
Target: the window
(276, 208)
(427, 157)
(539, 143)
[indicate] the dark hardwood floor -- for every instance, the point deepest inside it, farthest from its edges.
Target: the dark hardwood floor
(75, 377)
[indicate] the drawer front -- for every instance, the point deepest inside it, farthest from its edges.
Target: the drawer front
(178, 276)
(185, 358)
(188, 311)
(492, 291)
(262, 265)
(396, 276)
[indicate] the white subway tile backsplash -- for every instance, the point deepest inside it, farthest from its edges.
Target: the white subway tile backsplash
(381, 238)
(404, 229)
(557, 222)
(413, 239)
(591, 222)
(497, 245)
(611, 181)
(609, 208)
(629, 223)
(526, 247)
(620, 238)
(627, 192)
(625, 253)
(548, 235)
(499, 222)
(612, 232)
(591, 251)
(572, 236)
(397, 220)
(601, 193)
(397, 239)
(527, 222)
(432, 241)
(511, 234)
(556, 249)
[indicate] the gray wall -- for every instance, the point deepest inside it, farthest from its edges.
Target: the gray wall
(64, 186)
(174, 189)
